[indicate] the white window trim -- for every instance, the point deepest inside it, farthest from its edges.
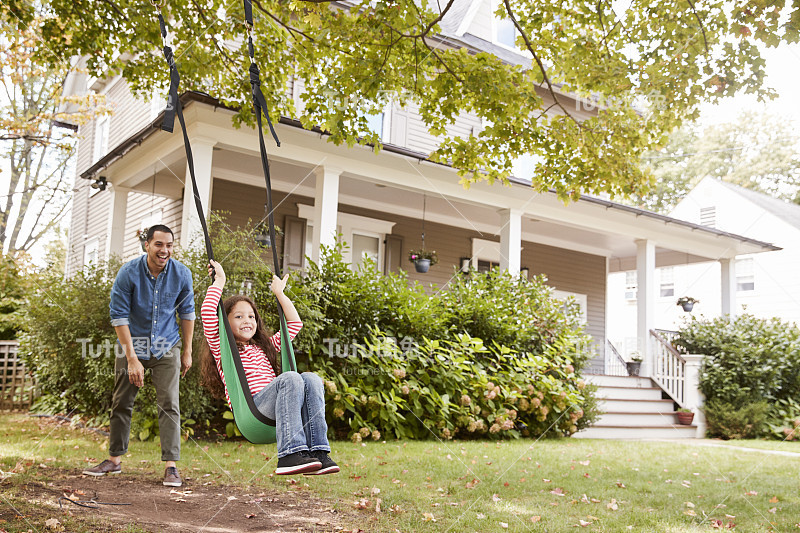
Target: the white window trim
(101, 145)
(348, 224)
(485, 251)
(582, 300)
(91, 246)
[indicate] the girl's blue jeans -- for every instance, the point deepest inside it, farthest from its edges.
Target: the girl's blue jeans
(296, 402)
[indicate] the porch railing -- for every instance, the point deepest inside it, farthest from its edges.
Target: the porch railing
(669, 367)
(614, 363)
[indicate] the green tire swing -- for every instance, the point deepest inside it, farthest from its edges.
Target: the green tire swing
(252, 424)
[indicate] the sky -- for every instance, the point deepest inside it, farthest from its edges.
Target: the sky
(783, 75)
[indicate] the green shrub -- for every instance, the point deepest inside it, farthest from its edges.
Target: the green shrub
(783, 420)
(447, 388)
(746, 357)
(748, 361)
(68, 344)
(729, 421)
(12, 291)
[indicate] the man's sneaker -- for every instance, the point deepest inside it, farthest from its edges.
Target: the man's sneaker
(106, 467)
(171, 477)
(297, 463)
(328, 466)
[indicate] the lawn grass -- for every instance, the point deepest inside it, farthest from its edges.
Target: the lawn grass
(777, 445)
(476, 486)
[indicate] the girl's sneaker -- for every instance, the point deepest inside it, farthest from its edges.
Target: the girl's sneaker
(328, 466)
(297, 463)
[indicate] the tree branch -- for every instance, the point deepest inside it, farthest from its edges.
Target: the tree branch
(700, 22)
(536, 58)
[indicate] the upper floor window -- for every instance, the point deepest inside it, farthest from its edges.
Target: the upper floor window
(667, 287)
(745, 278)
(630, 285)
(505, 32)
(101, 137)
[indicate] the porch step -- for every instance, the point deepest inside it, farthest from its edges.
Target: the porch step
(633, 382)
(638, 432)
(618, 405)
(637, 418)
(626, 393)
(633, 407)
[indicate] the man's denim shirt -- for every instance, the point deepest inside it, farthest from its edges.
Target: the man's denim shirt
(147, 305)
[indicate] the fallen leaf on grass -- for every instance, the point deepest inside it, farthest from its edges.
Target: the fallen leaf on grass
(363, 503)
(620, 484)
(54, 524)
(558, 492)
(378, 505)
(613, 505)
(503, 525)
(689, 504)
(584, 463)
(471, 484)
(428, 517)
(250, 515)
(774, 499)
(690, 513)
(395, 509)
(773, 510)
(751, 493)
(480, 516)
(536, 518)
(583, 523)
(495, 498)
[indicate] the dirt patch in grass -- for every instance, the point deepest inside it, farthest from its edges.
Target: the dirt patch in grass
(154, 507)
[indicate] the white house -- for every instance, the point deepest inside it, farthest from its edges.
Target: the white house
(765, 285)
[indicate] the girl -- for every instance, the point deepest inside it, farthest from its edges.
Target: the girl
(295, 401)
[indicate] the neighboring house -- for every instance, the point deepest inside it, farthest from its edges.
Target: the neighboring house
(375, 200)
(765, 285)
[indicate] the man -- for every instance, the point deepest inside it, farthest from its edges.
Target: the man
(144, 299)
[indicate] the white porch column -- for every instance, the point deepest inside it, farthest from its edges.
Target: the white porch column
(203, 153)
(728, 270)
(117, 213)
(693, 399)
(645, 300)
(326, 203)
(510, 240)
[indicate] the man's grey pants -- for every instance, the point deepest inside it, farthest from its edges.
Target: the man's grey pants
(166, 378)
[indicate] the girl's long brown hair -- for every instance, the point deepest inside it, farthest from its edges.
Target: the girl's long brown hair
(210, 377)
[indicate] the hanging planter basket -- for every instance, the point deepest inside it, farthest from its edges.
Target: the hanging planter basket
(687, 303)
(685, 418)
(422, 265)
(423, 259)
(142, 236)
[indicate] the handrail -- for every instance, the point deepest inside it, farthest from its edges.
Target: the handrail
(614, 363)
(670, 336)
(669, 368)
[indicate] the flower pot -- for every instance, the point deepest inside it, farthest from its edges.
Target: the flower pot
(633, 367)
(687, 306)
(422, 265)
(685, 418)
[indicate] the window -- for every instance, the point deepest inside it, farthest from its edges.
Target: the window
(101, 137)
(708, 216)
(486, 266)
(745, 279)
(579, 298)
(363, 235)
(631, 285)
(90, 252)
(505, 32)
(667, 282)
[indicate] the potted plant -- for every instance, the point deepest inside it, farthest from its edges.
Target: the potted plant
(687, 302)
(685, 416)
(423, 259)
(634, 365)
(142, 236)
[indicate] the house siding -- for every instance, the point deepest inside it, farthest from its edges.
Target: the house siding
(566, 270)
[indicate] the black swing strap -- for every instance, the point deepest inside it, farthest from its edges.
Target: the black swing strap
(174, 107)
(259, 107)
